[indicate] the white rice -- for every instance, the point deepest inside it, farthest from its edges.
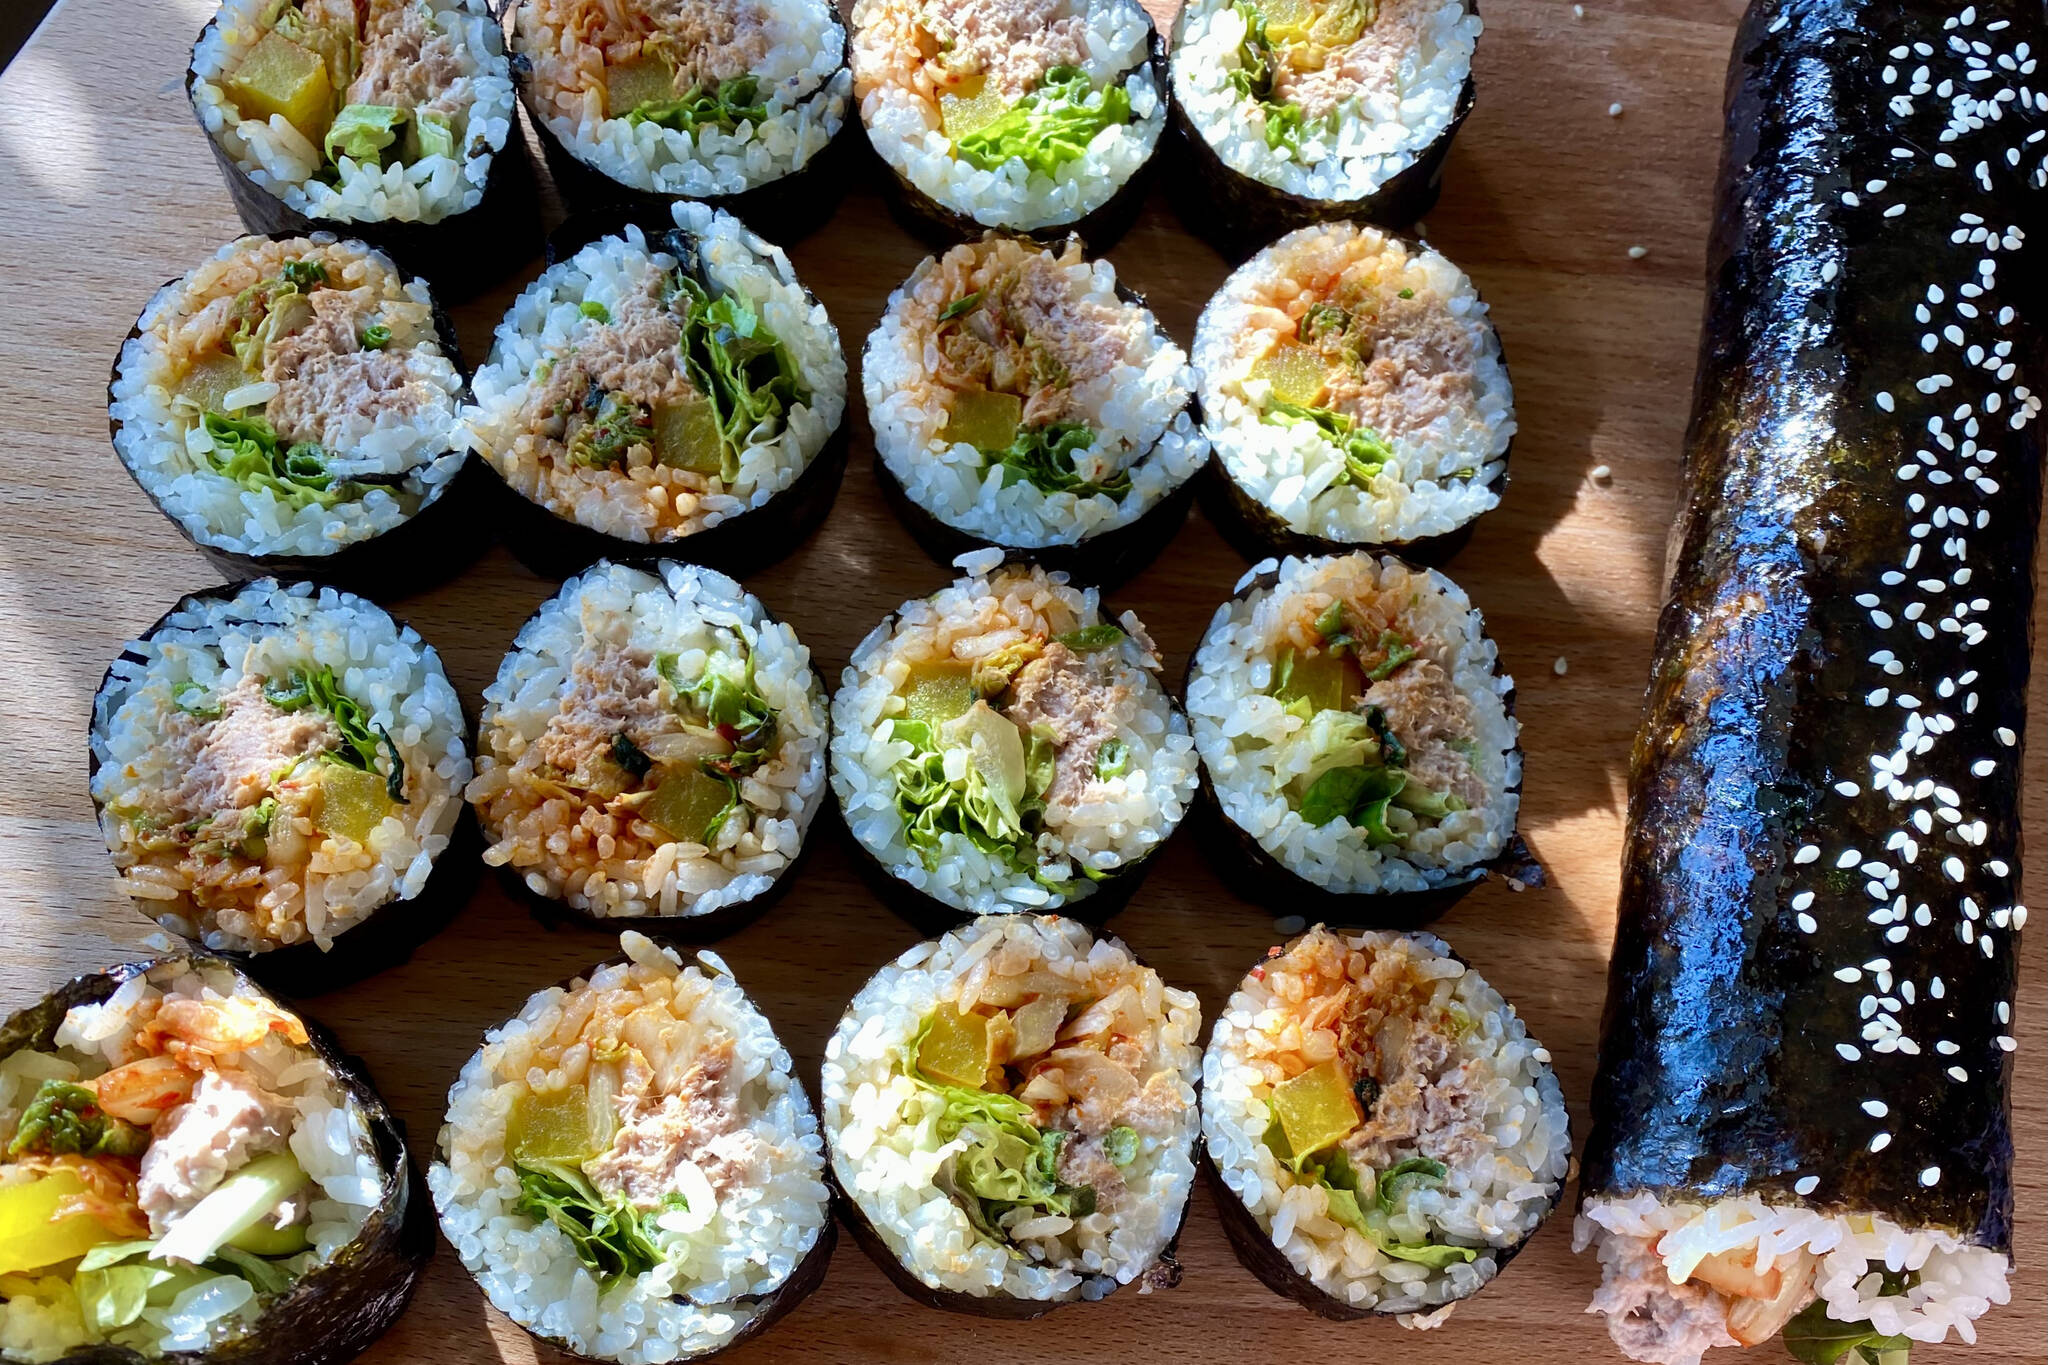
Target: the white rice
(675, 608)
(165, 451)
(1242, 732)
(1445, 471)
(278, 158)
(805, 85)
(1138, 411)
(268, 629)
(1382, 129)
(1127, 817)
(1493, 1201)
(705, 1292)
(1648, 1246)
(885, 1148)
(544, 322)
(905, 129)
(330, 1138)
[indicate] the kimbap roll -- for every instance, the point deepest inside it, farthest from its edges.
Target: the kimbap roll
(1002, 746)
(1353, 387)
(389, 120)
(682, 395)
(740, 103)
(190, 1170)
(630, 1167)
(1030, 116)
(294, 405)
(275, 766)
(1385, 1132)
(1011, 1117)
(1359, 740)
(1021, 399)
(1293, 112)
(654, 746)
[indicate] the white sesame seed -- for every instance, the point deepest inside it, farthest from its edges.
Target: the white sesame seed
(1884, 400)
(1953, 866)
(1931, 1176)
(1946, 1048)
(1849, 1051)
(1601, 473)
(1850, 857)
(1806, 854)
(1614, 111)
(1636, 253)
(1578, 11)
(1807, 924)
(1806, 1184)
(1956, 1073)
(1561, 667)
(1880, 1142)
(1877, 1109)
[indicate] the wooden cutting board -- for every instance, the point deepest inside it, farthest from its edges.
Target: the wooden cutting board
(107, 189)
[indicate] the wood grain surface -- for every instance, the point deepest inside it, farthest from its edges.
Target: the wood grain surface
(107, 188)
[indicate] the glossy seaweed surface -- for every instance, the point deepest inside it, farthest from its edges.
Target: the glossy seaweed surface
(1812, 978)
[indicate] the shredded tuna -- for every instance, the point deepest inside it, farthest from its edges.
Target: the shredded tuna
(612, 691)
(633, 356)
(1083, 1162)
(228, 1120)
(1073, 697)
(1431, 718)
(1650, 1318)
(405, 62)
(229, 764)
(1011, 44)
(322, 373)
(707, 41)
(699, 1123)
(1322, 80)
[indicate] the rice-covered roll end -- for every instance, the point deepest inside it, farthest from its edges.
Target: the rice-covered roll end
(653, 746)
(1028, 116)
(1353, 387)
(1359, 741)
(682, 394)
(630, 1167)
(386, 119)
(278, 773)
(1384, 1131)
(293, 405)
(1011, 1117)
(746, 106)
(1020, 398)
(190, 1170)
(1003, 746)
(1291, 112)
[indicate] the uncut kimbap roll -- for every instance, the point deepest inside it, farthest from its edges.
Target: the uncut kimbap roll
(740, 103)
(1353, 388)
(1020, 399)
(1003, 746)
(278, 773)
(1292, 112)
(1029, 116)
(1011, 1117)
(630, 1167)
(654, 746)
(1359, 740)
(294, 406)
(1385, 1132)
(189, 1170)
(681, 395)
(389, 120)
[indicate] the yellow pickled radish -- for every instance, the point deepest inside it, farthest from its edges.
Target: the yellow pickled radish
(984, 419)
(955, 1049)
(280, 77)
(935, 693)
(686, 435)
(29, 1239)
(685, 804)
(211, 378)
(1295, 372)
(554, 1126)
(631, 84)
(1316, 1108)
(352, 802)
(969, 107)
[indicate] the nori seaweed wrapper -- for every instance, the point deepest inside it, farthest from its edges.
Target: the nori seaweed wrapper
(1818, 901)
(334, 1311)
(1237, 214)
(1100, 228)
(1244, 866)
(463, 254)
(384, 938)
(783, 210)
(436, 542)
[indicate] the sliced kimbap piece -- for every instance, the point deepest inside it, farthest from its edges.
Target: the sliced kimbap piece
(278, 773)
(1011, 1117)
(1359, 739)
(1021, 399)
(1353, 388)
(389, 120)
(1029, 116)
(631, 1169)
(676, 395)
(1385, 1132)
(739, 103)
(1002, 746)
(294, 405)
(1292, 112)
(189, 1170)
(654, 746)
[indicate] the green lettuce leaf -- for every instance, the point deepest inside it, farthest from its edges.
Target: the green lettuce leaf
(729, 105)
(1044, 458)
(1048, 127)
(611, 1237)
(248, 451)
(361, 132)
(750, 378)
(1365, 454)
(63, 1119)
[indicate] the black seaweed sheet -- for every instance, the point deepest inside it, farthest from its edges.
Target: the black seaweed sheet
(331, 1313)
(1852, 587)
